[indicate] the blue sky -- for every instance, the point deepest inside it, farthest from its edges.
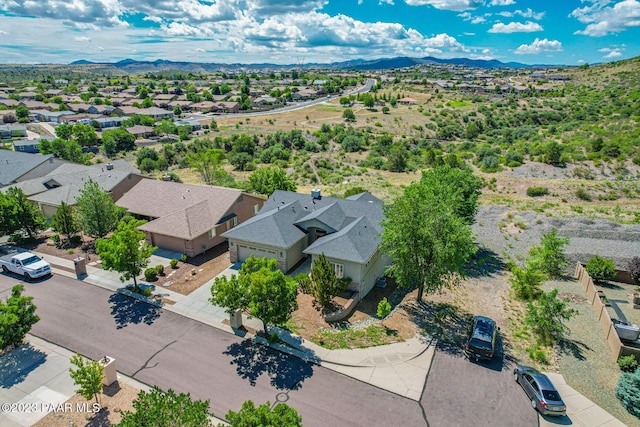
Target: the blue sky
(291, 31)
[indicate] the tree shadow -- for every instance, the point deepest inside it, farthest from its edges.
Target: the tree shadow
(253, 359)
(574, 348)
(126, 310)
(609, 285)
(445, 322)
(485, 262)
(100, 419)
(17, 364)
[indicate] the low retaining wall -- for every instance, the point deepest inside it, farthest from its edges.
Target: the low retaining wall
(346, 311)
(139, 297)
(618, 349)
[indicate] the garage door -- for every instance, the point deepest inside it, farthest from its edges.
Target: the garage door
(245, 252)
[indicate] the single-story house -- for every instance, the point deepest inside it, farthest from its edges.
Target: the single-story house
(188, 218)
(292, 226)
(13, 131)
(18, 166)
(26, 145)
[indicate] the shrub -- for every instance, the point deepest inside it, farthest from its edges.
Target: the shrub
(583, 195)
(634, 269)
(151, 274)
(55, 238)
(384, 308)
(628, 363)
(160, 269)
(76, 239)
(183, 258)
(173, 263)
(526, 282)
(145, 292)
(601, 269)
(537, 191)
(70, 250)
(628, 391)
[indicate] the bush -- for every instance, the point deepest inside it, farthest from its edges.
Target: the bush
(526, 282)
(151, 274)
(628, 363)
(601, 269)
(76, 239)
(160, 269)
(183, 258)
(634, 269)
(537, 191)
(583, 195)
(173, 263)
(628, 391)
(55, 238)
(384, 308)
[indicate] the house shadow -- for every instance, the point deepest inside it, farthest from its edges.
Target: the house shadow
(448, 324)
(252, 360)
(484, 263)
(17, 364)
(574, 348)
(126, 310)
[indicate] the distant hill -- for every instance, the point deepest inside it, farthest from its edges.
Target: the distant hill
(135, 67)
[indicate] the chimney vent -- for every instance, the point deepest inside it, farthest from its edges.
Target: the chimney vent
(315, 194)
(109, 166)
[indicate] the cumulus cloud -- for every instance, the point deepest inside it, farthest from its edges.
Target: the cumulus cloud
(478, 20)
(539, 46)
(82, 39)
(515, 27)
(603, 19)
(528, 13)
(502, 2)
(447, 4)
(611, 53)
(103, 12)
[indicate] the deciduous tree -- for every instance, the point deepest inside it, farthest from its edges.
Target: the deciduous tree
(17, 316)
(97, 214)
(549, 256)
(126, 251)
(208, 164)
(64, 221)
(249, 415)
(268, 179)
(545, 316)
(19, 215)
(88, 377)
(348, 115)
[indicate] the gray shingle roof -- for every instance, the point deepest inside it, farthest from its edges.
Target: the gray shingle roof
(285, 215)
(14, 164)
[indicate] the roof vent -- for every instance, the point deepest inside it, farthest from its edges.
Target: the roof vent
(315, 194)
(109, 166)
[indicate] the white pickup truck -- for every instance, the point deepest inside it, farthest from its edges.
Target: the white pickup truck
(25, 264)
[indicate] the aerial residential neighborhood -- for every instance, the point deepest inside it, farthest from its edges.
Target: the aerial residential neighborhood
(411, 213)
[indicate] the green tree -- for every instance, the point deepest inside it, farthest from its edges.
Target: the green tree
(344, 101)
(249, 415)
(526, 281)
(553, 153)
(64, 221)
(545, 316)
(322, 283)
(348, 115)
(427, 240)
(601, 269)
(17, 316)
(116, 140)
(472, 131)
(628, 391)
(85, 135)
(22, 112)
(549, 256)
(268, 179)
(126, 251)
(67, 150)
(368, 101)
(97, 214)
(157, 409)
(24, 216)
(260, 288)
(208, 164)
(64, 131)
(88, 377)
(397, 159)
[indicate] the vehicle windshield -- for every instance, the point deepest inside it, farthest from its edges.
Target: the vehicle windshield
(551, 395)
(480, 344)
(30, 260)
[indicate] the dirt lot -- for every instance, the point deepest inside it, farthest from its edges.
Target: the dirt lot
(115, 399)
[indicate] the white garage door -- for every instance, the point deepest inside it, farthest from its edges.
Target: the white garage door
(245, 252)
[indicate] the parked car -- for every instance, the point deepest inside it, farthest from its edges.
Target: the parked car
(539, 388)
(482, 339)
(25, 264)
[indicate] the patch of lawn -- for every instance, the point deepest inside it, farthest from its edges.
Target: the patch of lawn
(372, 336)
(454, 103)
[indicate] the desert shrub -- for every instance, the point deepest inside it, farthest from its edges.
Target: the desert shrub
(55, 238)
(183, 258)
(628, 391)
(145, 291)
(160, 269)
(384, 308)
(70, 250)
(537, 191)
(526, 282)
(76, 239)
(601, 269)
(583, 195)
(174, 263)
(151, 274)
(628, 363)
(634, 269)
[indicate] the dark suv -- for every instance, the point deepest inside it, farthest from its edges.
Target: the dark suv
(482, 340)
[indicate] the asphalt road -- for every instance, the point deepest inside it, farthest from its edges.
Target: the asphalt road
(161, 348)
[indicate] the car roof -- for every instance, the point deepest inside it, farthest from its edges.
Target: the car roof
(543, 381)
(483, 329)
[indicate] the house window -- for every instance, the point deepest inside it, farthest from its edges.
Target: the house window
(338, 269)
(234, 221)
(212, 233)
(255, 209)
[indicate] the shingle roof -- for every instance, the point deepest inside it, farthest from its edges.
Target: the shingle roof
(15, 164)
(181, 210)
(285, 215)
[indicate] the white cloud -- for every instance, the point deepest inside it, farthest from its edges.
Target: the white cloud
(82, 39)
(603, 19)
(539, 46)
(529, 14)
(3, 33)
(199, 49)
(613, 54)
(478, 20)
(468, 34)
(502, 2)
(447, 4)
(515, 27)
(390, 2)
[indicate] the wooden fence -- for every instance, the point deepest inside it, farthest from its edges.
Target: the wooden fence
(618, 349)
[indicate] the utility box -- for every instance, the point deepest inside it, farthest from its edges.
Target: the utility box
(80, 265)
(109, 370)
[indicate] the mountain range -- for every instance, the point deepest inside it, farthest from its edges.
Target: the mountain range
(133, 66)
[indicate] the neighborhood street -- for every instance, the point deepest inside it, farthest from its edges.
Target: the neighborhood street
(158, 347)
